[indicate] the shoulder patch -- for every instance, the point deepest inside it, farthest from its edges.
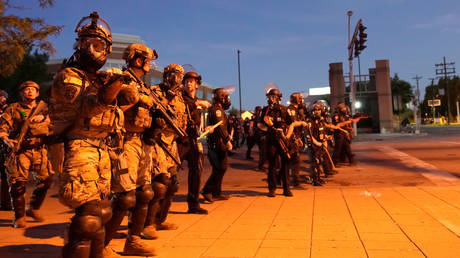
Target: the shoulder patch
(218, 113)
(291, 112)
(73, 80)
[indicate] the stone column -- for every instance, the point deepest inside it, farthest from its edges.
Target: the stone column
(337, 84)
(383, 85)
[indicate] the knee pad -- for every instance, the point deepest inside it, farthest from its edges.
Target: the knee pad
(162, 178)
(87, 227)
(17, 189)
(106, 211)
(126, 200)
(173, 185)
(91, 208)
(160, 190)
(144, 194)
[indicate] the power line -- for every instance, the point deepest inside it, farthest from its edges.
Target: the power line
(446, 70)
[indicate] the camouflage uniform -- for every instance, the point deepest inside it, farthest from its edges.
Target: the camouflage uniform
(164, 176)
(31, 157)
(132, 188)
(84, 112)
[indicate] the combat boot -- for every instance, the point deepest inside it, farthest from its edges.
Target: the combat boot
(150, 232)
(19, 222)
(135, 246)
(167, 226)
(35, 214)
(108, 252)
(271, 193)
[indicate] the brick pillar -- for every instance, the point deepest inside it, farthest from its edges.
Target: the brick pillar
(383, 85)
(337, 84)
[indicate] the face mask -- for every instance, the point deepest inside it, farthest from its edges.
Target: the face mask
(92, 54)
(227, 103)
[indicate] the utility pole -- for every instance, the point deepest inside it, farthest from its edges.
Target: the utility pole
(239, 78)
(445, 70)
(433, 108)
(417, 113)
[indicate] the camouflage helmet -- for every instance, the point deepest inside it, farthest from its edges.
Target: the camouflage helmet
(275, 92)
(29, 84)
(93, 29)
(174, 68)
(193, 75)
(139, 49)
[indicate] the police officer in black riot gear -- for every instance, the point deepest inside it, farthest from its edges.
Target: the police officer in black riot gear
(342, 138)
(190, 149)
(256, 136)
(5, 199)
(275, 120)
(219, 143)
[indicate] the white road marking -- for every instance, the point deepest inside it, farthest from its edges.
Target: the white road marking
(429, 171)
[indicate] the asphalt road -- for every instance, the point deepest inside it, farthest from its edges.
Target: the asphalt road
(431, 158)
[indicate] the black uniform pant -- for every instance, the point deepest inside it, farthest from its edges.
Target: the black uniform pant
(194, 158)
(218, 160)
(273, 152)
(5, 200)
(259, 140)
(342, 146)
(295, 168)
(317, 162)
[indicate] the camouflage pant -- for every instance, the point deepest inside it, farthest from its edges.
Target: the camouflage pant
(30, 160)
(162, 162)
(86, 174)
(139, 159)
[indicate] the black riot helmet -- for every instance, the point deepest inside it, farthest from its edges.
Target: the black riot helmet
(220, 95)
(296, 98)
(274, 96)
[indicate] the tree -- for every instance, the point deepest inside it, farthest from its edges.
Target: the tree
(433, 92)
(401, 88)
(19, 35)
(33, 68)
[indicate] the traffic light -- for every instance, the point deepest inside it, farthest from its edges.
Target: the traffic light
(357, 48)
(362, 37)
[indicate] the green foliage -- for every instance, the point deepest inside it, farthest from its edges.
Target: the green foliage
(18, 35)
(401, 88)
(432, 92)
(33, 68)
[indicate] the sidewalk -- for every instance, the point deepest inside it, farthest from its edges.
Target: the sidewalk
(330, 221)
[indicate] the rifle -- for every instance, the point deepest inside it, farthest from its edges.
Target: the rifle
(22, 133)
(167, 114)
(165, 111)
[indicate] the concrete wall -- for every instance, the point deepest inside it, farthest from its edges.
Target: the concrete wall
(383, 85)
(337, 84)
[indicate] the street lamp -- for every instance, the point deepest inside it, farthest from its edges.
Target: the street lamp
(351, 76)
(239, 78)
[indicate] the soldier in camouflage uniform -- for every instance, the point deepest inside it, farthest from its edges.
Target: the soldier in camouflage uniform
(31, 155)
(132, 188)
(83, 110)
(165, 153)
(5, 201)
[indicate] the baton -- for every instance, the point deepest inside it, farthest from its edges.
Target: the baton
(207, 131)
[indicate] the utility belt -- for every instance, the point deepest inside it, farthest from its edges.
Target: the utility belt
(100, 143)
(133, 135)
(33, 143)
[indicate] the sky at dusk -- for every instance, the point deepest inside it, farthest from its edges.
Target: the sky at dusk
(290, 42)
